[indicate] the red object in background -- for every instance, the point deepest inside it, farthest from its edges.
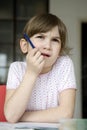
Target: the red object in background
(2, 100)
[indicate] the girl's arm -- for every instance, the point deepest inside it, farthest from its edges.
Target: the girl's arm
(17, 100)
(64, 110)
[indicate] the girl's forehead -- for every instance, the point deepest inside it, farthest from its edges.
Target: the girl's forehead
(53, 31)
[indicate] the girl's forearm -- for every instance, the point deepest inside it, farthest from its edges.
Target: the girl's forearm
(64, 110)
(50, 115)
(17, 103)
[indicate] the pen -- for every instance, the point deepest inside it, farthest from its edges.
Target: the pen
(28, 40)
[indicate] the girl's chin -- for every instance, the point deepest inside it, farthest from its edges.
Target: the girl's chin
(46, 68)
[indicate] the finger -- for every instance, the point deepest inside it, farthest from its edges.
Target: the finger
(38, 54)
(33, 52)
(42, 63)
(40, 59)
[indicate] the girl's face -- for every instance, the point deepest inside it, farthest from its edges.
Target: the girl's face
(49, 44)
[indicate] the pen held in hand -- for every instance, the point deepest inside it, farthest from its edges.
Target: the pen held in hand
(28, 40)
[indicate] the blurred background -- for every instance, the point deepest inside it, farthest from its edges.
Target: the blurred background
(13, 16)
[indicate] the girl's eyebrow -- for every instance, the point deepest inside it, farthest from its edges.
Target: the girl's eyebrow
(56, 37)
(43, 33)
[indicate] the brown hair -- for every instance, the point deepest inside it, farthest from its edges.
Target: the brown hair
(44, 23)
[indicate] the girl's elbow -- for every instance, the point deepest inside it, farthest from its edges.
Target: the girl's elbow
(68, 114)
(10, 118)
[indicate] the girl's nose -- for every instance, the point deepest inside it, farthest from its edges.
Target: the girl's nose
(47, 44)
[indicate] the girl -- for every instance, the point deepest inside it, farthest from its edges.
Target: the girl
(43, 88)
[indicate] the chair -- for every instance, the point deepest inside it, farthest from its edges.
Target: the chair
(2, 100)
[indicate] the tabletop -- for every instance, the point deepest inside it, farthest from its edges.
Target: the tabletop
(64, 124)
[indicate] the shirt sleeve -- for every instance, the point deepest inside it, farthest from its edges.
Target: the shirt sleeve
(67, 76)
(13, 79)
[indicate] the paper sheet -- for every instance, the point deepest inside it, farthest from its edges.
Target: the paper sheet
(27, 125)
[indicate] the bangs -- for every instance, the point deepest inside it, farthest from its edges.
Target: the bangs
(42, 23)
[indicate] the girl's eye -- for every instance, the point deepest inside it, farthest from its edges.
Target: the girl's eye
(40, 37)
(57, 40)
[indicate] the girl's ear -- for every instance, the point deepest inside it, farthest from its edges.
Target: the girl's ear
(23, 45)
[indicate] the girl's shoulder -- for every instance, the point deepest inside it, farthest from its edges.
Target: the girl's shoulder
(18, 65)
(63, 65)
(64, 61)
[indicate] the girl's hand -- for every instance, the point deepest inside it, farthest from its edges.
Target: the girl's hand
(35, 61)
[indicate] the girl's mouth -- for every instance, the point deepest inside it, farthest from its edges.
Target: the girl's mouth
(46, 55)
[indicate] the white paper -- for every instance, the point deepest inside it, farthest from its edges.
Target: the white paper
(27, 125)
(36, 125)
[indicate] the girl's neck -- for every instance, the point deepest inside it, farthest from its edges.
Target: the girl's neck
(46, 70)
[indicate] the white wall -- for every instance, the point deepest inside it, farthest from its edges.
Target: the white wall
(73, 12)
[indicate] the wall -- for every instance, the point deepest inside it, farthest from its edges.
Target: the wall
(73, 12)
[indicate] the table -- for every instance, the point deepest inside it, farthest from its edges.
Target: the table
(29, 126)
(64, 124)
(73, 124)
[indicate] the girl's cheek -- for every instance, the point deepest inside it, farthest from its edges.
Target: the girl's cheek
(37, 45)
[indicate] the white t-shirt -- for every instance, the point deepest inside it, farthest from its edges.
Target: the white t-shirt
(48, 85)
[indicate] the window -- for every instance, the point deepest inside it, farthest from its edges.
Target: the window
(13, 16)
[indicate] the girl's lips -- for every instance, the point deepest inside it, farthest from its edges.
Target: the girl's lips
(47, 55)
